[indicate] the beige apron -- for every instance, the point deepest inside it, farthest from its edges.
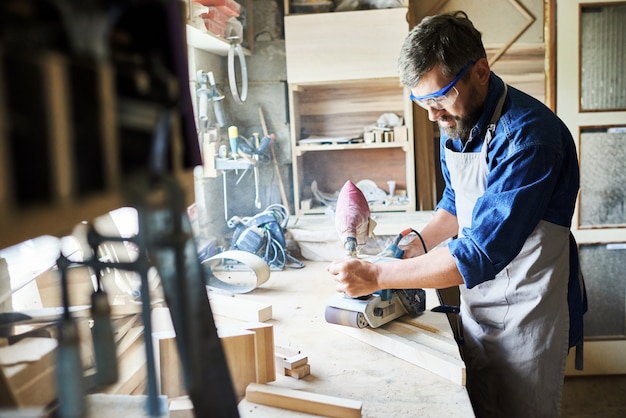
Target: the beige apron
(515, 327)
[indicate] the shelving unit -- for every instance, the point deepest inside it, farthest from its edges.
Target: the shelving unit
(208, 42)
(341, 70)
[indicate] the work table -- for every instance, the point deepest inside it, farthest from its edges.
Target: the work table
(340, 364)
(344, 366)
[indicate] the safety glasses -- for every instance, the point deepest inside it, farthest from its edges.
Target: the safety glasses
(442, 98)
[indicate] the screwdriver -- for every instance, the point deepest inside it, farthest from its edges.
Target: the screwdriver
(233, 137)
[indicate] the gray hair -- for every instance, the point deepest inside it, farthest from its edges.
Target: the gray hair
(449, 41)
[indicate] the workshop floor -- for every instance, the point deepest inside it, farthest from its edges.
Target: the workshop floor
(601, 396)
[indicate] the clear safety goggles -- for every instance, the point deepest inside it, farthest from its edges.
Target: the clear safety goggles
(442, 98)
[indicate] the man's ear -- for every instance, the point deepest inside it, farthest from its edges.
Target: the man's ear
(482, 71)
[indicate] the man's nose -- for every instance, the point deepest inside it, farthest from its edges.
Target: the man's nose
(434, 114)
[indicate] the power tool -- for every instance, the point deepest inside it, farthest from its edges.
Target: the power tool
(376, 309)
(379, 307)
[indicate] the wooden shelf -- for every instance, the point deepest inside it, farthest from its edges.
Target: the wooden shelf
(301, 149)
(209, 42)
(58, 220)
(337, 91)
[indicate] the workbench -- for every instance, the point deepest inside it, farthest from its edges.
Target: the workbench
(344, 366)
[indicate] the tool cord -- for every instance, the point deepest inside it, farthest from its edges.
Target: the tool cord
(421, 240)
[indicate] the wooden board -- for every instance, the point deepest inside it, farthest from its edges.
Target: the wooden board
(429, 350)
(238, 347)
(242, 309)
(346, 46)
(297, 400)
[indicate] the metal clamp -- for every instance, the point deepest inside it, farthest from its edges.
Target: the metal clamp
(235, 46)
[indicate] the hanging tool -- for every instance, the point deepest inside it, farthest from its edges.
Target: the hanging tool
(233, 139)
(353, 224)
(207, 90)
(235, 47)
(69, 368)
(283, 195)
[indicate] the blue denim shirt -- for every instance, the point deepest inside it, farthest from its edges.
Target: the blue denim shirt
(533, 176)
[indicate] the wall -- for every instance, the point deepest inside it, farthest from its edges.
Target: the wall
(267, 88)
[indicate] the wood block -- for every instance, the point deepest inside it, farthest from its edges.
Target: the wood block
(264, 351)
(297, 400)
(181, 407)
(294, 362)
(167, 359)
(239, 308)
(299, 372)
(27, 376)
(170, 371)
(238, 348)
(400, 133)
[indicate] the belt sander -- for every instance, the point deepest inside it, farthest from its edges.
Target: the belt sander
(354, 225)
(376, 309)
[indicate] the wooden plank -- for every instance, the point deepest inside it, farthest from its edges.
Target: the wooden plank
(297, 400)
(131, 366)
(115, 406)
(418, 353)
(346, 46)
(238, 308)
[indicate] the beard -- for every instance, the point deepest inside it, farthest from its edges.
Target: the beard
(462, 124)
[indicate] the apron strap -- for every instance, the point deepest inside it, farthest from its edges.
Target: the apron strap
(496, 115)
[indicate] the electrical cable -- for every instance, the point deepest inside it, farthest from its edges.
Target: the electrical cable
(421, 239)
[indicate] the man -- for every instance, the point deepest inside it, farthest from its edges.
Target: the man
(511, 172)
